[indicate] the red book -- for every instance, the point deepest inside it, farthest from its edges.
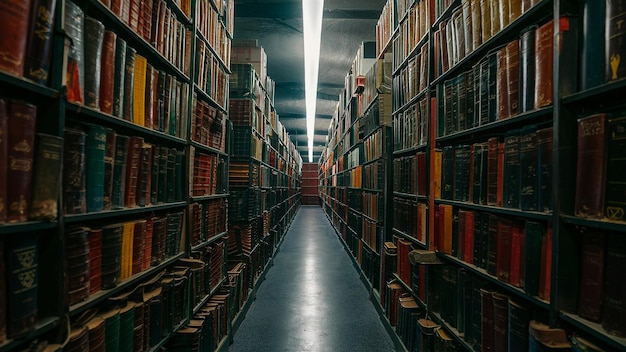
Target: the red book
(460, 243)
(545, 272)
(591, 166)
(14, 15)
(95, 260)
(516, 255)
(404, 266)
(116, 7)
(21, 145)
(503, 251)
(133, 21)
(107, 73)
(468, 247)
(132, 171)
(3, 160)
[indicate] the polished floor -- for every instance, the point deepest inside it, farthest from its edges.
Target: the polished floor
(312, 298)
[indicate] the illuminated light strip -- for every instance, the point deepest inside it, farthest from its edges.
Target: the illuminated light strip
(312, 13)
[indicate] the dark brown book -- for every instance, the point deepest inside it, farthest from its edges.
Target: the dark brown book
(95, 260)
(502, 85)
(487, 332)
(21, 146)
(544, 59)
(139, 243)
(500, 176)
(512, 63)
(116, 7)
(107, 72)
(503, 251)
(129, 78)
(615, 40)
(492, 170)
(46, 178)
(485, 24)
(591, 166)
(74, 180)
(500, 321)
(39, 47)
(545, 270)
(614, 309)
(14, 16)
(3, 296)
(150, 108)
(591, 275)
(132, 171)
(4, 117)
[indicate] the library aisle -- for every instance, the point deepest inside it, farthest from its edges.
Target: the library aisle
(312, 298)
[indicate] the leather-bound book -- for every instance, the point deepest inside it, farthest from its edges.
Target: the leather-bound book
(116, 7)
(132, 171)
(75, 75)
(512, 174)
(158, 241)
(170, 178)
(614, 309)
(144, 183)
(74, 188)
(46, 177)
(544, 59)
(461, 173)
(111, 319)
(14, 26)
(515, 9)
(500, 177)
(96, 332)
(492, 170)
(496, 25)
(78, 339)
(543, 338)
(533, 234)
(615, 40)
(592, 60)
(528, 169)
(502, 85)
(421, 173)
(163, 180)
(21, 145)
(545, 269)
(139, 90)
(126, 269)
(517, 255)
(513, 75)
(544, 169)
(109, 164)
(119, 78)
(527, 69)
(479, 173)
(150, 88)
(39, 47)
(461, 102)
(487, 331)
(4, 120)
(139, 244)
(467, 27)
(492, 245)
(591, 274)
(485, 23)
(519, 317)
(503, 252)
(119, 172)
(95, 260)
(147, 251)
(133, 21)
(107, 72)
(492, 101)
(505, 13)
(22, 272)
(94, 165)
(476, 27)
(154, 178)
(129, 80)
(111, 255)
(591, 166)
(3, 296)
(500, 321)
(77, 264)
(615, 199)
(160, 116)
(94, 35)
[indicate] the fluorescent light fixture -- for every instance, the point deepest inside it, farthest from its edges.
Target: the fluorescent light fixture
(312, 12)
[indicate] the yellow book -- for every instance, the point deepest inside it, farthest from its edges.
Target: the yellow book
(127, 251)
(139, 90)
(437, 174)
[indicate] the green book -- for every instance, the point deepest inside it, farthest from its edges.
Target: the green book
(95, 151)
(111, 330)
(46, 184)
(22, 273)
(127, 327)
(119, 172)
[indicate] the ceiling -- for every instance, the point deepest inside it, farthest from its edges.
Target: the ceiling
(277, 25)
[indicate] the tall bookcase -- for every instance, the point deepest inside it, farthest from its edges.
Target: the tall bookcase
(501, 235)
(174, 236)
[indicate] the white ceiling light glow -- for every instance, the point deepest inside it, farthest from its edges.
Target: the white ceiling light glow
(312, 12)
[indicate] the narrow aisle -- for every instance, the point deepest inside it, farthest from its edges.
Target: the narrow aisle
(313, 298)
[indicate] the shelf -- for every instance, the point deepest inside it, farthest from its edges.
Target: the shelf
(42, 326)
(213, 51)
(10, 81)
(412, 53)
(500, 210)
(206, 148)
(29, 226)
(594, 223)
(595, 329)
(368, 246)
(518, 292)
(171, 334)
(414, 149)
(411, 101)
(99, 117)
(209, 295)
(452, 331)
(209, 241)
(371, 219)
(202, 94)
(109, 214)
(371, 190)
(408, 237)
(538, 116)
(535, 14)
(598, 92)
(124, 31)
(100, 296)
(209, 197)
(410, 195)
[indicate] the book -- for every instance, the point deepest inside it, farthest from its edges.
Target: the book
(74, 187)
(519, 318)
(119, 171)
(485, 24)
(132, 171)
(95, 150)
(139, 90)
(4, 164)
(39, 45)
(461, 186)
(534, 234)
(3, 297)
(614, 41)
(21, 123)
(75, 76)
(615, 183)
(14, 23)
(591, 274)
(502, 84)
(527, 69)
(119, 77)
(94, 36)
(512, 170)
(129, 79)
(528, 169)
(479, 170)
(107, 72)
(46, 185)
(544, 58)
(503, 251)
(543, 338)
(109, 165)
(500, 321)
(95, 260)
(591, 166)
(492, 171)
(592, 59)
(22, 272)
(487, 328)
(544, 169)
(545, 269)
(614, 286)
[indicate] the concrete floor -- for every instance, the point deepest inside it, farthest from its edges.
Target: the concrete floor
(312, 298)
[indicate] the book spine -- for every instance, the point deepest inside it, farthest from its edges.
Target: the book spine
(492, 170)
(119, 172)
(511, 171)
(95, 260)
(94, 36)
(109, 164)
(591, 164)
(154, 178)
(74, 186)
(22, 265)
(503, 251)
(487, 332)
(20, 147)
(615, 199)
(14, 20)
(132, 171)
(591, 275)
(46, 178)
(107, 73)
(544, 172)
(502, 84)
(139, 90)
(544, 62)
(614, 286)
(461, 173)
(170, 178)
(139, 243)
(95, 152)
(119, 77)
(527, 69)
(129, 79)
(75, 75)
(4, 120)
(500, 321)
(144, 171)
(615, 40)
(532, 248)
(528, 168)
(149, 97)
(39, 47)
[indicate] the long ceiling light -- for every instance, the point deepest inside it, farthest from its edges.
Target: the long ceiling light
(312, 12)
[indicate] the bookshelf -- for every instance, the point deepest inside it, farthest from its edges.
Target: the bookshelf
(460, 103)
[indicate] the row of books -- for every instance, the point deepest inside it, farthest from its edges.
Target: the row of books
(385, 26)
(517, 252)
(471, 24)
(374, 175)
(237, 274)
(209, 175)
(410, 218)
(354, 158)
(210, 23)
(373, 146)
(27, 53)
(208, 220)
(208, 269)
(412, 79)
(100, 258)
(412, 29)
(244, 204)
(513, 173)
(246, 143)
(410, 174)
(373, 206)
(106, 74)
(244, 112)
(379, 113)
(136, 320)
(514, 79)
(208, 125)
(410, 127)
(30, 174)
(103, 170)
(242, 173)
(211, 77)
